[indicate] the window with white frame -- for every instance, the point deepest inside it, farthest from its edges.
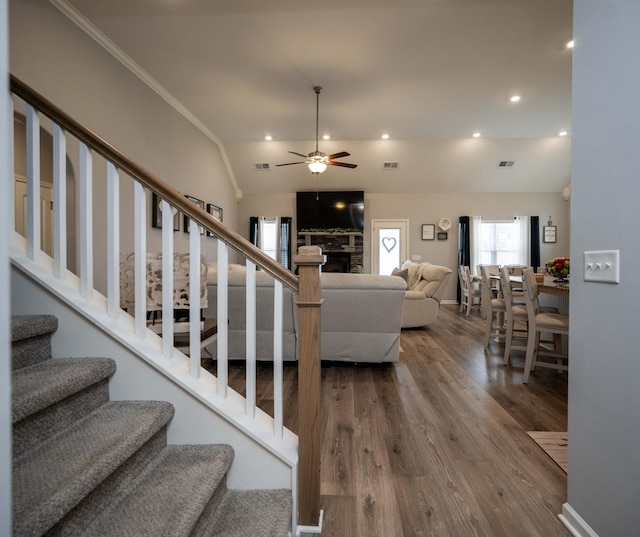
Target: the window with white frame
(501, 242)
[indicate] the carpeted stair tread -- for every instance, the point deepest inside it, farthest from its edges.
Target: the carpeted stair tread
(28, 326)
(51, 381)
(55, 475)
(259, 513)
(169, 496)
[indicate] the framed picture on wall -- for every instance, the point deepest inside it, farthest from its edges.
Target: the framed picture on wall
(549, 234)
(186, 218)
(428, 232)
(156, 213)
(216, 212)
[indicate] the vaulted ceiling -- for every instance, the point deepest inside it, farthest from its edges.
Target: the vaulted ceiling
(429, 73)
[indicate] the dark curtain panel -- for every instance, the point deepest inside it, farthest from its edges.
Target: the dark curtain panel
(534, 225)
(464, 248)
(253, 230)
(285, 241)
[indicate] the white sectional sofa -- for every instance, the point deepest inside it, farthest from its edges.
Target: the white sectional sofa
(361, 316)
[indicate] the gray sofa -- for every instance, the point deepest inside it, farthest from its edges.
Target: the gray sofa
(361, 317)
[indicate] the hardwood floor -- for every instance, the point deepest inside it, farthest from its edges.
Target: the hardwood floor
(436, 444)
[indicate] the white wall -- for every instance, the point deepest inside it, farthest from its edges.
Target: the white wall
(423, 208)
(604, 392)
(57, 59)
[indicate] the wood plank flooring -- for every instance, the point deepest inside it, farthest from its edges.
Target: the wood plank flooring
(436, 444)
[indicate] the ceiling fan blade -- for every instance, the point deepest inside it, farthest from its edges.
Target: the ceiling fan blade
(289, 163)
(343, 164)
(299, 154)
(338, 155)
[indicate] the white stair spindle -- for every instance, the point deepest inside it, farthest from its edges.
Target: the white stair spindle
(86, 222)
(59, 202)
(223, 319)
(194, 298)
(10, 167)
(33, 184)
(140, 263)
(250, 358)
(277, 360)
(167, 279)
(113, 241)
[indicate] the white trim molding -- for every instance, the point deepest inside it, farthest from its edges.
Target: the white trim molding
(575, 523)
(92, 31)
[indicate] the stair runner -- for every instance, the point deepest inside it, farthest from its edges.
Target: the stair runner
(85, 465)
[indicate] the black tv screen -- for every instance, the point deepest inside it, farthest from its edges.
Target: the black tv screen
(337, 210)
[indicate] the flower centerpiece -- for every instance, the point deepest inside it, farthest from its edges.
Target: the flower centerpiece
(559, 268)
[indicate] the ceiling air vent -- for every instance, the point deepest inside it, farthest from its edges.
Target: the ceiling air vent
(262, 166)
(390, 165)
(506, 163)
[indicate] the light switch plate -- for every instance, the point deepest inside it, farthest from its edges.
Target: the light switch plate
(602, 266)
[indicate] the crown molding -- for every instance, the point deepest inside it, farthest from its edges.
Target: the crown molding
(92, 31)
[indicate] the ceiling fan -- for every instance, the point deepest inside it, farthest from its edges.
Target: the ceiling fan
(317, 161)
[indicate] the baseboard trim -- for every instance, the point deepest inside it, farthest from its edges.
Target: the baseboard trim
(449, 302)
(575, 523)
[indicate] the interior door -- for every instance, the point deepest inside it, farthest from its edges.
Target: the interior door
(46, 213)
(389, 245)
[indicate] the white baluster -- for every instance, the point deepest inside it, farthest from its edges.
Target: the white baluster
(194, 298)
(167, 279)
(223, 319)
(113, 241)
(59, 202)
(140, 263)
(86, 222)
(277, 360)
(33, 184)
(250, 335)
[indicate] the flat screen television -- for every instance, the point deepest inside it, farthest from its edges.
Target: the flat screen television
(337, 210)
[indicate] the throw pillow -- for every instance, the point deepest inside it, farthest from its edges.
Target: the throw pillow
(403, 273)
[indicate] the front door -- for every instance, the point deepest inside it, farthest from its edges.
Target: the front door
(389, 245)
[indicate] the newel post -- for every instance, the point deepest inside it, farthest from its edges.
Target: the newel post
(308, 260)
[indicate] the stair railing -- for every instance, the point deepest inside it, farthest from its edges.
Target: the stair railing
(306, 287)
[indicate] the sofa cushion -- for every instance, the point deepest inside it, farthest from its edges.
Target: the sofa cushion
(431, 279)
(414, 295)
(413, 273)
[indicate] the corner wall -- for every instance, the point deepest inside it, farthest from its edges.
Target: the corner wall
(604, 393)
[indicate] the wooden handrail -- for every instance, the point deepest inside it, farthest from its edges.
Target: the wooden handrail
(154, 183)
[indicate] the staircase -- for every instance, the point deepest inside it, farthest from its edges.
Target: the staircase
(85, 465)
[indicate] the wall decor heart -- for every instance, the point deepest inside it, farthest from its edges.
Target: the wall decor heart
(389, 243)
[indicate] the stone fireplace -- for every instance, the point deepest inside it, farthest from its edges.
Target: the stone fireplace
(344, 251)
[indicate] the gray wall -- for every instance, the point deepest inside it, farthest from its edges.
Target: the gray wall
(5, 353)
(421, 208)
(57, 59)
(604, 395)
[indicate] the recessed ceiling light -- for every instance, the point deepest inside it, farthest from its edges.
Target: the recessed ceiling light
(515, 98)
(326, 137)
(476, 135)
(268, 137)
(385, 136)
(563, 133)
(570, 44)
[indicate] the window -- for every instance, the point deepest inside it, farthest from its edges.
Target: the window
(273, 236)
(501, 242)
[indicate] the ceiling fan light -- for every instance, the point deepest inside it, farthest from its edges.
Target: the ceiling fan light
(317, 166)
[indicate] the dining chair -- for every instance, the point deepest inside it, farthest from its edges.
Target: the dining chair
(468, 291)
(542, 322)
(494, 307)
(516, 317)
